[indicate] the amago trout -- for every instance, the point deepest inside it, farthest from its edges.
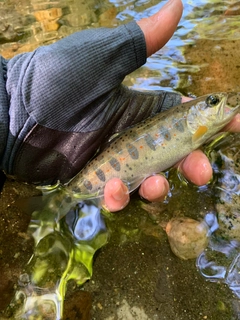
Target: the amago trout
(157, 143)
(152, 146)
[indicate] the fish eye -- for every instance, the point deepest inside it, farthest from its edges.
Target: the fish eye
(212, 100)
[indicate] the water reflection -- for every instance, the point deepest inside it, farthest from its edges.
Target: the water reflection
(173, 69)
(26, 25)
(221, 260)
(64, 252)
(88, 224)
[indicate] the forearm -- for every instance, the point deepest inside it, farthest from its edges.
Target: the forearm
(66, 99)
(72, 73)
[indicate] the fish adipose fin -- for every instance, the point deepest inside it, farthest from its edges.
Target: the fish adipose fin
(199, 133)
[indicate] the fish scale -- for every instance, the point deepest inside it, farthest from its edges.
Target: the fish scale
(156, 144)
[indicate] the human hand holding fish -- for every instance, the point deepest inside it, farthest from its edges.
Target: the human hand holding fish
(86, 118)
(195, 167)
(153, 146)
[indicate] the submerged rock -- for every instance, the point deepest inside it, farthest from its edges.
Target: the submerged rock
(187, 237)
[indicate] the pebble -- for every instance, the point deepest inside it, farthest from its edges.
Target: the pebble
(187, 237)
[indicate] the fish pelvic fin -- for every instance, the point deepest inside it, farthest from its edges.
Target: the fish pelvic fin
(199, 133)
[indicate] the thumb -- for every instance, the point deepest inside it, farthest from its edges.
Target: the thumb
(159, 28)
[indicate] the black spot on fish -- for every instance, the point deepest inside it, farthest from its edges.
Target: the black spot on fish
(130, 168)
(150, 142)
(87, 184)
(115, 164)
(132, 151)
(100, 174)
(165, 133)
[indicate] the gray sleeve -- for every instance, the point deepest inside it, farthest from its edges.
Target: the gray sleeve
(67, 98)
(58, 83)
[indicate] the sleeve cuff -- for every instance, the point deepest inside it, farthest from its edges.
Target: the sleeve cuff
(139, 42)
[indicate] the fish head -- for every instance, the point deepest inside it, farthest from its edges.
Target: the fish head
(211, 113)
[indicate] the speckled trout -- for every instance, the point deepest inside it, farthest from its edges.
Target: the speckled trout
(156, 144)
(150, 147)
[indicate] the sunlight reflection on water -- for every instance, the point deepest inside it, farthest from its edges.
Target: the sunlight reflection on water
(200, 20)
(65, 252)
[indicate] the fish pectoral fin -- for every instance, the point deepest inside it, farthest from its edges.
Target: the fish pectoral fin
(199, 133)
(89, 196)
(134, 183)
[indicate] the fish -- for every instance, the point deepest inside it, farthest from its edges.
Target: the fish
(156, 143)
(150, 147)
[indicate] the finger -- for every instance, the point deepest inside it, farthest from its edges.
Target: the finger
(159, 28)
(186, 99)
(196, 168)
(116, 195)
(234, 125)
(154, 188)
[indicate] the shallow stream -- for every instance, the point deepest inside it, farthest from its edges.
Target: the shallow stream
(135, 275)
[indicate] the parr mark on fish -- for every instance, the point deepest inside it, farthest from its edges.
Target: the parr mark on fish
(165, 133)
(150, 141)
(115, 164)
(87, 184)
(133, 152)
(100, 174)
(178, 124)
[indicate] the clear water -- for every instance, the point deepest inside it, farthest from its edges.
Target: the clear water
(27, 24)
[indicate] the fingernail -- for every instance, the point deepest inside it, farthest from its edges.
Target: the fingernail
(120, 193)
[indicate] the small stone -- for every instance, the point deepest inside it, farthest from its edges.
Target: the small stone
(187, 237)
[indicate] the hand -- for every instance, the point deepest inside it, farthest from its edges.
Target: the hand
(195, 167)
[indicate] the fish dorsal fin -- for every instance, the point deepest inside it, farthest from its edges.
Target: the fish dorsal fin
(106, 144)
(114, 137)
(199, 133)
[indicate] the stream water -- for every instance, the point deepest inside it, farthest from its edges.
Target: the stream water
(135, 275)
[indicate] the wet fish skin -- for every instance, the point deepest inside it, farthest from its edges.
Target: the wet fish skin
(156, 144)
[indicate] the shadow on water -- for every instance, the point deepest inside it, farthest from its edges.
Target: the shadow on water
(135, 275)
